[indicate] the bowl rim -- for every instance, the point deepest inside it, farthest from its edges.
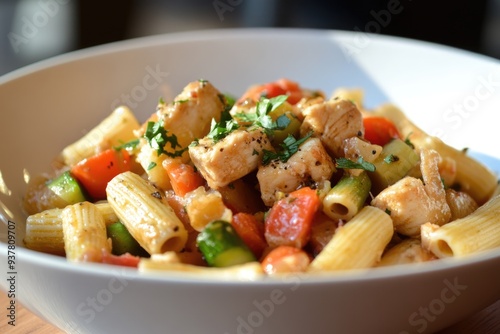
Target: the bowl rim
(218, 33)
(371, 274)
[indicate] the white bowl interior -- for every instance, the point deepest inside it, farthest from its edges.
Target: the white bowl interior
(45, 106)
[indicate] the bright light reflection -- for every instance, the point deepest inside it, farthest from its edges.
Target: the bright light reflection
(3, 186)
(26, 175)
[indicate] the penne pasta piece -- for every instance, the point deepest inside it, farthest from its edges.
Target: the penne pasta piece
(355, 95)
(407, 251)
(147, 158)
(149, 219)
(497, 190)
(167, 262)
(44, 231)
(472, 176)
(84, 233)
(107, 212)
(114, 130)
(358, 244)
(347, 197)
(477, 232)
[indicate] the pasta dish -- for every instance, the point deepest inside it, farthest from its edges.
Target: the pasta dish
(282, 179)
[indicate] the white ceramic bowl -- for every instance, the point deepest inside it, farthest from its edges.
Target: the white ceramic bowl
(45, 106)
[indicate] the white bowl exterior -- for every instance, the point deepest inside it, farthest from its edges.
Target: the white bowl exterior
(82, 88)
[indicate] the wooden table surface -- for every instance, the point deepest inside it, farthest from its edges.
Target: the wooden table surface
(486, 321)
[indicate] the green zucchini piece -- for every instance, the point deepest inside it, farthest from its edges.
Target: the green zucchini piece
(394, 162)
(221, 246)
(67, 188)
(123, 242)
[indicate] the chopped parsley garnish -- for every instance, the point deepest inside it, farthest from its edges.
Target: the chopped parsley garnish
(157, 137)
(391, 158)
(408, 142)
(151, 165)
(219, 130)
(345, 163)
(261, 116)
(131, 145)
(230, 101)
(289, 147)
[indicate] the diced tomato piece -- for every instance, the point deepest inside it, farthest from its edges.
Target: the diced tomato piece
(379, 130)
(289, 220)
(285, 259)
(273, 89)
(126, 259)
(95, 172)
(251, 231)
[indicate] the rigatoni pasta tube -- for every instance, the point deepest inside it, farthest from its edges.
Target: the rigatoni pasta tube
(358, 244)
(347, 197)
(44, 231)
(474, 233)
(84, 233)
(149, 219)
(249, 271)
(114, 130)
(473, 177)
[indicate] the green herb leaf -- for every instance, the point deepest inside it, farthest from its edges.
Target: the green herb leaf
(157, 137)
(219, 130)
(345, 163)
(261, 116)
(391, 158)
(131, 145)
(408, 142)
(151, 165)
(290, 146)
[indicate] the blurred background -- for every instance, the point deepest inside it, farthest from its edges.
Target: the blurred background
(31, 30)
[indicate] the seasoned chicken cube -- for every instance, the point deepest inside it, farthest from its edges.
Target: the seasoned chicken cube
(333, 121)
(412, 203)
(310, 164)
(189, 116)
(231, 158)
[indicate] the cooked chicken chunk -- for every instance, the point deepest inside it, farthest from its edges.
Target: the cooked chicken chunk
(230, 158)
(412, 203)
(190, 115)
(461, 204)
(408, 251)
(310, 164)
(333, 121)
